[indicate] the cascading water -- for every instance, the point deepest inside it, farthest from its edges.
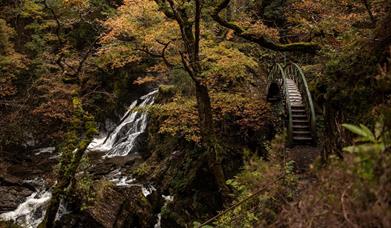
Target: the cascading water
(123, 139)
(120, 142)
(31, 212)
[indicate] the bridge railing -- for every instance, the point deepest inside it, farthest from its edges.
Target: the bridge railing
(294, 72)
(277, 75)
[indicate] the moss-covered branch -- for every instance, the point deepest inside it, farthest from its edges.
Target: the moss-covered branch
(262, 41)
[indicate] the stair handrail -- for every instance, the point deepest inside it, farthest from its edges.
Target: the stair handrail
(278, 72)
(294, 72)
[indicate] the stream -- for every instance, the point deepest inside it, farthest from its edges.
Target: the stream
(123, 140)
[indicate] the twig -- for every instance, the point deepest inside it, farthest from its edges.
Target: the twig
(345, 215)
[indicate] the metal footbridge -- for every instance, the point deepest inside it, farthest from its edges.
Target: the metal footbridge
(287, 84)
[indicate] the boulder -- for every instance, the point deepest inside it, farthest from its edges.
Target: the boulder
(12, 196)
(121, 207)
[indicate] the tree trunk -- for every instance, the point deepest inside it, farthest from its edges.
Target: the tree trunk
(67, 174)
(191, 63)
(208, 137)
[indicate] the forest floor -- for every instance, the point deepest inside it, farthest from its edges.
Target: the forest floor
(303, 156)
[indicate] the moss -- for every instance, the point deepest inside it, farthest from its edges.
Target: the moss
(142, 170)
(9, 225)
(166, 92)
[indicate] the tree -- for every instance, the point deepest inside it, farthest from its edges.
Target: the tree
(72, 151)
(191, 61)
(262, 40)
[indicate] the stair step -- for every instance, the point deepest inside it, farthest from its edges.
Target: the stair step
(299, 121)
(299, 128)
(298, 116)
(273, 99)
(299, 111)
(296, 100)
(301, 133)
(296, 138)
(304, 126)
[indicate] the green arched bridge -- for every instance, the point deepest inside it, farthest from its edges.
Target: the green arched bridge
(287, 84)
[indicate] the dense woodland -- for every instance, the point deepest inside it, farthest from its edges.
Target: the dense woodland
(213, 143)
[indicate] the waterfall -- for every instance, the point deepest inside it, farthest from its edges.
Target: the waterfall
(30, 213)
(120, 142)
(123, 139)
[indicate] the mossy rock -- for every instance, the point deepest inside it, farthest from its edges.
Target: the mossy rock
(166, 92)
(115, 207)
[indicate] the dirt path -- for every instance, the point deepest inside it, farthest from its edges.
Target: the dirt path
(303, 156)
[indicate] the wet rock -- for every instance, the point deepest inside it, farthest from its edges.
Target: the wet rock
(13, 191)
(77, 220)
(121, 207)
(101, 167)
(12, 196)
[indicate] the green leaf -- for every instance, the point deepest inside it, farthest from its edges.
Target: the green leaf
(350, 149)
(369, 133)
(361, 139)
(378, 129)
(365, 148)
(355, 129)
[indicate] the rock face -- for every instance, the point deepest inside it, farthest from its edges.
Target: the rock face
(12, 196)
(121, 207)
(15, 168)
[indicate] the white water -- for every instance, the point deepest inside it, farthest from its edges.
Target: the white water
(44, 150)
(147, 190)
(123, 139)
(120, 142)
(62, 210)
(31, 212)
(119, 180)
(167, 199)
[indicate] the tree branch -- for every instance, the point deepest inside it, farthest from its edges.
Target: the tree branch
(260, 40)
(165, 8)
(368, 8)
(168, 64)
(162, 55)
(197, 31)
(187, 66)
(58, 31)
